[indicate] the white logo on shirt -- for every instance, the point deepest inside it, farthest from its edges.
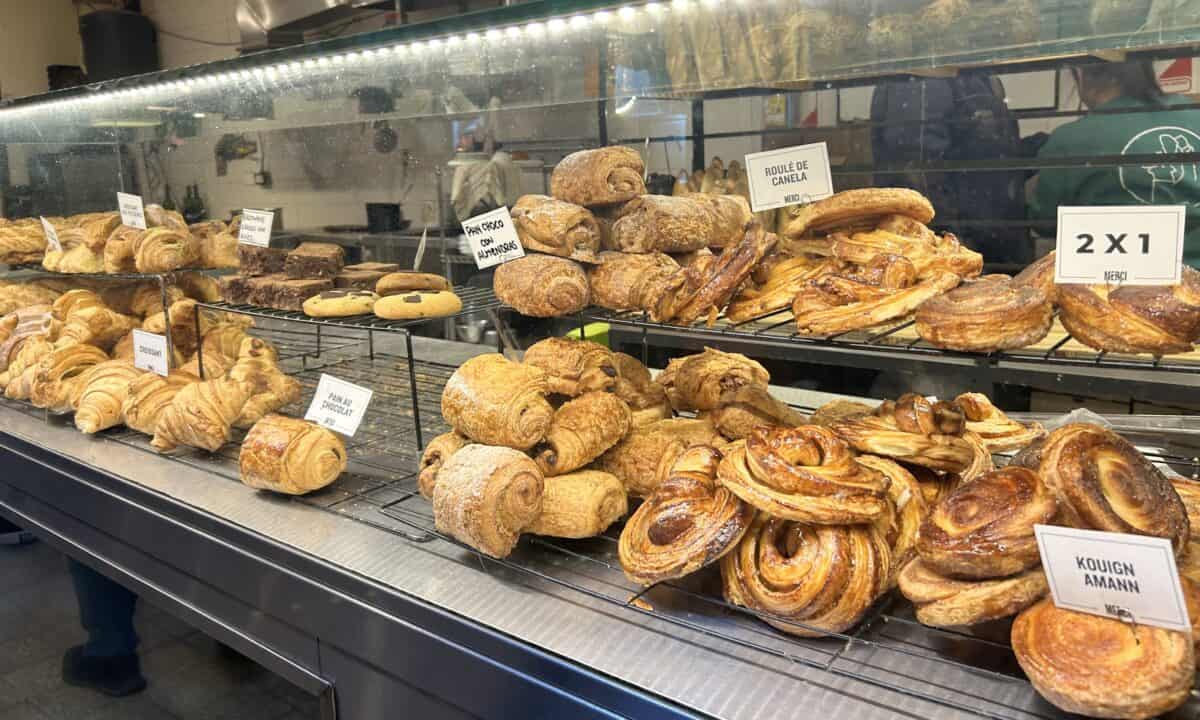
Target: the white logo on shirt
(1166, 140)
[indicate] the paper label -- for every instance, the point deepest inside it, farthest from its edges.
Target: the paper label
(256, 227)
(1127, 577)
(150, 352)
(789, 176)
(133, 214)
(493, 238)
(52, 242)
(338, 405)
(1120, 245)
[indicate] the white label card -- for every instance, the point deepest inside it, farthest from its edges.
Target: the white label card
(1127, 577)
(133, 213)
(150, 352)
(256, 227)
(1120, 244)
(493, 238)
(789, 176)
(338, 405)
(52, 242)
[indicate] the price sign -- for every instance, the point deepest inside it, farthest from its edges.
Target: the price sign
(1127, 577)
(493, 238)
(150, 352)
(789, 176)
(52, 242)
(338, 405)
(256, 227)
(1120, 245)
(133, 214)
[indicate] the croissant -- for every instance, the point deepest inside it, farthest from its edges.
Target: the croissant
(542, 286)
(270, 389)
(158, 216)
(643, 458)
(698, 382)
(810, 580)
(1102, 667)
(573, 367)
(646, 399)
(669, 224)
(579, 504)
(81, 253)
(862, 206)
(497, 402)
(149, 395)
(20, 245)
(58, 377)
(183, 325)
(626, 281)
(224, 340)
(258, 348)
(290, 456)
(104, 389)
(986, 315)
(72, 301)
(163, 249)
(834, 304)
(551, 226)
(97, 326)
(435, 455)
(778, 290)
(998, 432)
(18, 296)
(913, 430)
(219, 250)
(582, 429)
(945, 602)
(1155, 319)
(1102, 482)
(486, 496)
(1040, 275)
(118, 251)
(148, 299)
(688, 522)
(202, 288)
(602, 176)
(18, 376)
(204, 365)
(30, 322)
(749, 407)
(201, 415)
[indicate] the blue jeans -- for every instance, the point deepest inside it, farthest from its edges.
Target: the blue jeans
(105, 611)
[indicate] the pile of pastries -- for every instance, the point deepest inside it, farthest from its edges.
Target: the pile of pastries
(811, 520)
(99, 243)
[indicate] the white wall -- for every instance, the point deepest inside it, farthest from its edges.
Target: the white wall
(34, 34)
(210, 20)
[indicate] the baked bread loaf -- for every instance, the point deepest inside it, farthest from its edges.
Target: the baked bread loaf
(542, 286)
(201, 415)
(149, 394)
(643, 458)
(580, 504)
(626, 281)
(1155, 319)
(498, 402)
(702, 381)
(573, 367)
(104, 389)
(602, 176)
(290, 456)
(435, 455)
(941, 601)
(486, 497)
(989, 314)
(581, 430)
(554, 227)
(163, 249)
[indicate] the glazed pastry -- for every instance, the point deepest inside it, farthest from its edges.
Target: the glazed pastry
(201, 415)
(104, 389)
(542, 286)
(1155, 319)
(118, 250)
(551, 226)
(1102, 667)
(162, 249)
(573, 367)
(341, 303)
(786, 278)
(986, 315)
(702, 381)
(945, 602)
(290, 456)
(834, 304)
(837, 410)
(749, 407)
(1040, 275)
(643, 458)
(582, 429)
(646, 399)
(599, 177)
(663, 223)
(811, 580)
(498, 402)
(1102, 482)
(409, 306)
(435, 455)
(58, 377)
(805, 474)
(580, 504)
(901, 524)
(998, 432)
(486, 497)
(219, 250)
(912, 430)
(97, 326)
(149, 395)
(857, 206)
(984, 528)
(688, 522)
(626, 281)
(397, 283)
(270, 388)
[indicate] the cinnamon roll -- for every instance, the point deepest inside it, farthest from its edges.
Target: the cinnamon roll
(835, 304)
(688, 521)
(941, 601)
(1154, 319)
(986, 315)
(998, 432)
(913, 430)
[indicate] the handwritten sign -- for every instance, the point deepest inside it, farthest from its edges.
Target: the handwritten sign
(493, 238)
(789, 176)
(338, 405)
(1120, 245)
(256, 227)
(150, 352)
(133, 213)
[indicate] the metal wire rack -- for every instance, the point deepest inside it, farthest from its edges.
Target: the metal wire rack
(37, 268)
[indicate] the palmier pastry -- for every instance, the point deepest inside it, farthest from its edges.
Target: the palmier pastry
(542, 286)
(551, 226)
(688, 522)
(1040, 275)
(834, 304)
(941, 601)
(986, 315)
(486, 496)
(1102, 667)
(625, 281)
(806, 474)
(290, 456)
(435, 455)
(851, 206)
(102, 395)
(643, 458)
(984, 529)
(646, 399)
(1155, 319)
(573, 367)
(912, 430)
(498, 402)
(698, 382)
(809, 580)
(779, 288)
(749, 407)
(1102, 482)
(579, 504)
(581, 430)
(602, 176)
(998, 432)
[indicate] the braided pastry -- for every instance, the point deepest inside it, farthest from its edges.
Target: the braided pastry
(810, 580)
(941, 601)
(58, 377)
(1155, 319)
(573, 367)
(163, 249)
(290, 456)
(806, 474)
(104, 389)
(1102, 482)
(913, 430)
(493, 400)
(643, 458)
(700, 382)
(149, 395)
(836, 304)
(201, 415)
(986, 315)
(486, 496)
(581, 430)
(1102, 667)
(579, 504)
(998, 432)
(688, 522)
(435, 455)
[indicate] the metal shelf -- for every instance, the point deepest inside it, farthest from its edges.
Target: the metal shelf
(37, 267)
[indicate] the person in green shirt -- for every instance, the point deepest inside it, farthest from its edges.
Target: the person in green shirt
(1130, 115)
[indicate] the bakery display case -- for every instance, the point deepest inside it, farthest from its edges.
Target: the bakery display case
(564, 526)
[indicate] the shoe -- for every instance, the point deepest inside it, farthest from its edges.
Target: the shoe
(116, 676)
(16, 537)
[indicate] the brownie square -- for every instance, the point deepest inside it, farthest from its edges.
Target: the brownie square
(290, 294)
(260, 290)
(314, 260)
(255, 260)
(349, 279)
(235, 289)
(373, 267)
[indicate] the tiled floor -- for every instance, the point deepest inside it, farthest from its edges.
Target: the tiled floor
(190, 676)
